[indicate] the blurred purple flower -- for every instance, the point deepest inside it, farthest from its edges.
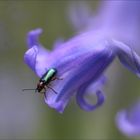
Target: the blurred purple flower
(81, 62)
(128, 120)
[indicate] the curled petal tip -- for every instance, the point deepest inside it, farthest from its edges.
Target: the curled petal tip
(125, 126)
(33, 36)
(87, 106)
(36, 31)
(128, 120)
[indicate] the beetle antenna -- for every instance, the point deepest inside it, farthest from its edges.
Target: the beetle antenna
(28, 89)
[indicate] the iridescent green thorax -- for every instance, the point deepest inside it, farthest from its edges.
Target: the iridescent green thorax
(49, 75)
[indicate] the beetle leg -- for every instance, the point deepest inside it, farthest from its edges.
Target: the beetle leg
(52, 89)
(56, 78)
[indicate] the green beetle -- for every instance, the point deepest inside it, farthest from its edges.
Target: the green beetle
(45, 80)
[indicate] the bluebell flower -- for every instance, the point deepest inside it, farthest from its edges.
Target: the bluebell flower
(81, 62)
(128, 120)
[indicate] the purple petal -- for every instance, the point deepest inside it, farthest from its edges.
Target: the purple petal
(30, 57)
(125, 125)
(121, 13)
(128, 120)
(33, 37)
(36, 57)
(128, 57)
(80, 15)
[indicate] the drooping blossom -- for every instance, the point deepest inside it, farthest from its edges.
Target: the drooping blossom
(128, 120)
(81, 62)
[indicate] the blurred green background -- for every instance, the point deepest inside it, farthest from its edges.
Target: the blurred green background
(25, 115)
